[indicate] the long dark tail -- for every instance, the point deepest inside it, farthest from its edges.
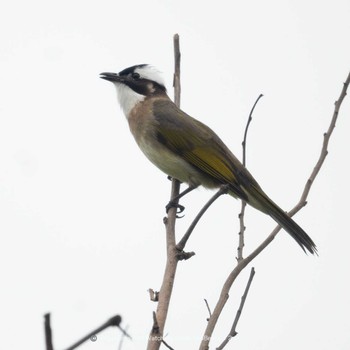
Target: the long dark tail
(302, 238)
(259, 200)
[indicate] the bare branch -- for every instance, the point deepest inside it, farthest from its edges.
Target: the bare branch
(241, 231)
(243, 203)
(177, 71)
(124, 334)
(243, 263)
(233, 331)
(156, 335)
(113, 321)
(206, 303)
(48, 332)
(167, 345)
(244, 142)
(326, 138)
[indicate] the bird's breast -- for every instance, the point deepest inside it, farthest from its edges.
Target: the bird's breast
(142, 126)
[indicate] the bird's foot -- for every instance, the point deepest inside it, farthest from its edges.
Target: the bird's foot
(179, 208)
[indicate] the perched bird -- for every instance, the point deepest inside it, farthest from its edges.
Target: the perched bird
(187, 149)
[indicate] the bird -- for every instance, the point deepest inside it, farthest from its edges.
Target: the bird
(186, 149)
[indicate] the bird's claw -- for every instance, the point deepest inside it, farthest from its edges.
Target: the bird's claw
(179, 208)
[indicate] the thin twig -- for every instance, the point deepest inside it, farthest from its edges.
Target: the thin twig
(243, 203)
(241, 231)
(124, 334)
(244, 142)
(181, 245)
(177, 70)
(243, 263)
(48, 332)
(326, 138)
(233, 331)
(207, 304)
(167, 345)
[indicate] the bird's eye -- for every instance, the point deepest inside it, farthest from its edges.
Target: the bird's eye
(135, 76)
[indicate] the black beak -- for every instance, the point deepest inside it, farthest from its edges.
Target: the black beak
(113, 77)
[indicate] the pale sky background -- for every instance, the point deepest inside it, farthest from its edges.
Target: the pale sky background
(81, 208)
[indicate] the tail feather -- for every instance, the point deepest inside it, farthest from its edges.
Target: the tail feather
(261, 201)
(301, 237)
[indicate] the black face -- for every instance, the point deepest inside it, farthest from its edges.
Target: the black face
(135, 81)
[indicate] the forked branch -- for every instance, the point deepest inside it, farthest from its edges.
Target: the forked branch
(302, 202)
(233, 331)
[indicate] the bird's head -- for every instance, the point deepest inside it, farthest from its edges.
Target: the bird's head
(134, 84)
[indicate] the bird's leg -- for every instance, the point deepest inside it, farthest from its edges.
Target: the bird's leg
(174, 202)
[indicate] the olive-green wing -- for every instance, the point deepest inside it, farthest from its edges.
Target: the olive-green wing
(203, 149)
(198, 145)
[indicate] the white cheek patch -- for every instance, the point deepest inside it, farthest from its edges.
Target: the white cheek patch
(150, 73)
(127, 98)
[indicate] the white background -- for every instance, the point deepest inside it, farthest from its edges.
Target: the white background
(81, 209)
